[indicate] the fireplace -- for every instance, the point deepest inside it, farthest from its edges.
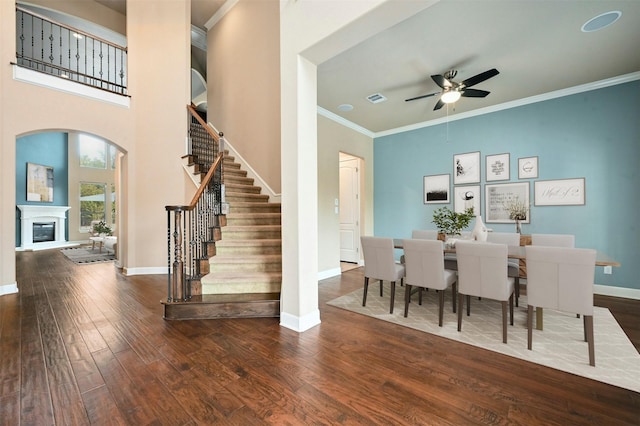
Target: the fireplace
(44, 232)
(42, 226)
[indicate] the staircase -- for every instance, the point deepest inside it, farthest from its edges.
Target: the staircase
(242, 278)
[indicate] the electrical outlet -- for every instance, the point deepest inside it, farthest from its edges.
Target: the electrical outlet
(608, 270)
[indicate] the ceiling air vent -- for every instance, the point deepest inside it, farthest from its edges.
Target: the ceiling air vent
(376, 98)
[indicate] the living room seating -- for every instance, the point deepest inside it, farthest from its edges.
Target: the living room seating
(379, 264)
(513, 265)
(425, 269)
(482, 272)
(561, 278)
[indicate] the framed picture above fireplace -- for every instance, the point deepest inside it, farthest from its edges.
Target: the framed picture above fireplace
(39, 183)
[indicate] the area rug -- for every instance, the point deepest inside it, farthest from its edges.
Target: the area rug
(560, 345)
(87, 255)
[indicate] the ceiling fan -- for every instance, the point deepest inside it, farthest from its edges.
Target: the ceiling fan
(452, 91)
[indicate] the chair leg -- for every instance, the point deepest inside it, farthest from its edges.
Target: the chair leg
(366, 287)
(393, 295)
(529, 326)
(407, 299)
(454, 294)
(588, 325)
(381, 292)
(517, 282)
(420, 290)
(504, 321)
(468, 305)
(511, 308)
(441, 308)
(460, 308)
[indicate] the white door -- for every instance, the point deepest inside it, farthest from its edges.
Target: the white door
(349, 210)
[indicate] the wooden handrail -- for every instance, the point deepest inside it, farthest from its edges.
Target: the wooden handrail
(206, 181)
(214, 135)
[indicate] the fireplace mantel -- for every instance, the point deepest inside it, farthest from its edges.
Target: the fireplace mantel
(30, 213)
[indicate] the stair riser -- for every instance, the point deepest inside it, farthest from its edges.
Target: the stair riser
(250, 250)
(256, 208)
(246, 267)
(239, 197)
(252, 235)
(242, 189)
(237, 180)
(240, 288)
(253, 221)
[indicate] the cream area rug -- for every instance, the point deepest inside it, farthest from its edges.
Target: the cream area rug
(86, 255)
(560, 345)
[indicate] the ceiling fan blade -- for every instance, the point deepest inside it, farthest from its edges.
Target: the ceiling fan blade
(479, 78)
(474, 93)
(421, 96)
(439, 105)
(441, 81)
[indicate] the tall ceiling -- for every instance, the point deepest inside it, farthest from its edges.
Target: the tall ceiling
(537, 46)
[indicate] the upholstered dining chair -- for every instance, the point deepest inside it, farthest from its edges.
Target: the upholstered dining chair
(424, 268)
(482, 272)
(553, 240)
(424, 234)
(561, 278)
(379, 264)
(513, 265)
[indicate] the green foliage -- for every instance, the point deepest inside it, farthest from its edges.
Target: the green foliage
(450, 222)
(102, 228)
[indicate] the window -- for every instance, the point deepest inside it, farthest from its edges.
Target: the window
(93, 152)
(92, 203)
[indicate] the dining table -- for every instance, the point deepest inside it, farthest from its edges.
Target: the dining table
(519, 252)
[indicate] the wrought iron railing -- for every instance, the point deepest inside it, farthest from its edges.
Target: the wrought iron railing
(58, 49)
(191, 229)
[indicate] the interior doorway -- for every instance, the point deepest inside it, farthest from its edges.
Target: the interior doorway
(350, 220)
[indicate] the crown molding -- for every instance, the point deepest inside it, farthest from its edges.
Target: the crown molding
(345, 122)
(217, 17)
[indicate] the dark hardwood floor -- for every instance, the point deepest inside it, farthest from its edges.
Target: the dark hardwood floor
(85, 345)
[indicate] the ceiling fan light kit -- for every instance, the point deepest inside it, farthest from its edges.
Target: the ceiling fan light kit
(452, 91)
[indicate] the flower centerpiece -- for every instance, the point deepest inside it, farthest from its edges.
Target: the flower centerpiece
(101, 228)
(517, 210)
(451, 223)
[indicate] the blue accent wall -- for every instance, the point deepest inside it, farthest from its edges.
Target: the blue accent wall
(48, 149)
(595, 135)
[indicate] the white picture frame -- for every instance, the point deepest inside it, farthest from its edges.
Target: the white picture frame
(497, 167)
(528, 167)
(465, 197)
(466, 168)
(437, 189)
(559, 192)
(498, 195)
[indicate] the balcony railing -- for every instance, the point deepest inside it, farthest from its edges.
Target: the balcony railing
(58, 49)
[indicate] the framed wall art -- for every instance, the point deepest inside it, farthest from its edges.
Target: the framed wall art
(497, 167)
(501, 199)
(465, 197)
(39, 183)
(466, 168)
(527, 167)
(560, 192)
(436, 189)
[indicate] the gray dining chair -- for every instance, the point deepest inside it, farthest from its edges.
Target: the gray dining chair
(562, 279)
(380, 264)
(513, 265)
(424, 268)
(482, 272)
(424, 234)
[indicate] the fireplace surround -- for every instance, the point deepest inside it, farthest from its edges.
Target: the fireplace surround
(35, 213)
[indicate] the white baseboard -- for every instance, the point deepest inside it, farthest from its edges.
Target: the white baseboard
(607, 290)
(300, 324)
(8, 289)
(151, 270)
(322, 275)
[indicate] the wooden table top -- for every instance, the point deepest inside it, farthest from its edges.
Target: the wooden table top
(518, 252)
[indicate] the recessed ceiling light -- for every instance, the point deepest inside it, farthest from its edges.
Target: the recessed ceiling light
(601, 21)
(345, 107)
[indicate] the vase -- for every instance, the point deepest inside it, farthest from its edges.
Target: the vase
(479, 232)
(518, 227)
